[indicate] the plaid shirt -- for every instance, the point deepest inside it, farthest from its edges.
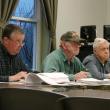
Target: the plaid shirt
(9, 65)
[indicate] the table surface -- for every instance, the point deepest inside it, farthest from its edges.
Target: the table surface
(102, 91)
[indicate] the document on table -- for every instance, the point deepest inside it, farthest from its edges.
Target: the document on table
(61, 79)
(93, 81)
(54, 78)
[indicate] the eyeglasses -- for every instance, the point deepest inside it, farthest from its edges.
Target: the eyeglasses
(18, 42)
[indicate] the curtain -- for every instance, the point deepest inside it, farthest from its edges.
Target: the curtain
(6, 9)
(47, 38)
(50, 9)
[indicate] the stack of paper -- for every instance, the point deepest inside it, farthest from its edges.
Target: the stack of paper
(54, 78)
(93, 81)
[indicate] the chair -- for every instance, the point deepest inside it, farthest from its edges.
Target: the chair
(25, 99)
(84, 103)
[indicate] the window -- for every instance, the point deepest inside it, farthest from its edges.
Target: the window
(25, 16)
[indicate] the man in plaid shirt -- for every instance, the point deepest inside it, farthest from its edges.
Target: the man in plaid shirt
(11, 66)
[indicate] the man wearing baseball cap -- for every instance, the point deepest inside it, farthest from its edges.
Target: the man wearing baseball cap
(64, 59)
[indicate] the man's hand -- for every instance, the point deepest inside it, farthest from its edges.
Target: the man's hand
(18, 76)
(81, 75)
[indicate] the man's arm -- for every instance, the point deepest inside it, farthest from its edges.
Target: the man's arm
(6, 77)
(92, 68)
(18, 76)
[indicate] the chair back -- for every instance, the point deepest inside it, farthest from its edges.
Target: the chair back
(25, 99)
(85, 103)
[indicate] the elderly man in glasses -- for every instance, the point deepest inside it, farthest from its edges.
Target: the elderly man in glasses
(11, 66)
(64, 59)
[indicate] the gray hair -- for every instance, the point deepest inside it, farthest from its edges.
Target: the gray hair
(99, 41)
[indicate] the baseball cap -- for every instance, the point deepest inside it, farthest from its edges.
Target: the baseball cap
(71, 36)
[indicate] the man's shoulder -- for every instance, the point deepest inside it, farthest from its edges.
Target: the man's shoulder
(89, 58)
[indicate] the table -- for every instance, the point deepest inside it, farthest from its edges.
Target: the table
(83, 91)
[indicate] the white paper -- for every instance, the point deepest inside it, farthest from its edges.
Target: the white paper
(93, 81)
(54, 78)
(57, 77)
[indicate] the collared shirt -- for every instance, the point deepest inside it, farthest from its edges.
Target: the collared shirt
(96, 68)
(9, 65)
(57, 61)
